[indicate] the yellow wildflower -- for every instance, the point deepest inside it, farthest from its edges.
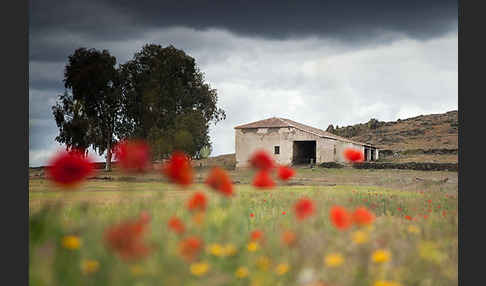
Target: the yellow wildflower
(413, 229)
(137, 270)
(386, 283)
(263, 263)
(381, 255)
(89, 266)
(229, 250)
(199, 269)
(215, 249)
(71, 242)
(282, 268)
(334, 260)
(429, 250)
(252, 246)
(359, 237)
(241, 272)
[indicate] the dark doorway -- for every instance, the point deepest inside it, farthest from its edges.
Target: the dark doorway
(366, 153)
(303, 152)
(373, 151)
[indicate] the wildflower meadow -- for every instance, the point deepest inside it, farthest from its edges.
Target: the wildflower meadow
(174, 225)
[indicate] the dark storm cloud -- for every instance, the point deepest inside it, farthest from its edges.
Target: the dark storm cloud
(349, 21)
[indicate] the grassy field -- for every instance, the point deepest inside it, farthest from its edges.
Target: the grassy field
(420, 250)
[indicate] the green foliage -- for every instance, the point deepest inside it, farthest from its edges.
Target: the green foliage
(87, 116)
(163, 90)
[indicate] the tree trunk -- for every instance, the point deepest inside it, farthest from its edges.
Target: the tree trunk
(108, 158)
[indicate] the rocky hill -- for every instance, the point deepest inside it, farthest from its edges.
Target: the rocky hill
(434, 137)
(434, 131)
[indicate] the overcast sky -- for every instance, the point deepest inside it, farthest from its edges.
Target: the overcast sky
(318, 63)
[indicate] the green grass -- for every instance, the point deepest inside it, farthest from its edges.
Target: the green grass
(429, 257)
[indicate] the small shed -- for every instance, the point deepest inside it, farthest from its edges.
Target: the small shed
(293, 143)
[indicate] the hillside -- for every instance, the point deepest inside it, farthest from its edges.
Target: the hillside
(424, 138)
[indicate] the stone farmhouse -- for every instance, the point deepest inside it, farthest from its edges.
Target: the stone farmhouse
(293, 143)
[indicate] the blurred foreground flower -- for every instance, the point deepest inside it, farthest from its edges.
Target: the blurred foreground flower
(353, 155)
(289, 238)
(263, 180)
(282, 268)
(361, 216)
(285, 172)
(199, 269)
(256, 235)
(333, 260)
(89, 266)
(68, 169)
(220, 181)
(71, 242)
(263, 263)
(359, 237)
(252, 246)
(126, 239)
(380, 256)
(262, 160)
(133, 156)
(215, 249)
(178, 169)
(176, 225)
(340, 217)
(241, 272)
(413, 229)
(197, 202)
(304, 208)
(190, 247)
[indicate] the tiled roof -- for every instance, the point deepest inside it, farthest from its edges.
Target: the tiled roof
(282, 122)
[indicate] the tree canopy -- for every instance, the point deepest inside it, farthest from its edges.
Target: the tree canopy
(166, 101)
(87, 116)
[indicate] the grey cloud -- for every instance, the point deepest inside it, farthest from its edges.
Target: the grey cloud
(58, 27)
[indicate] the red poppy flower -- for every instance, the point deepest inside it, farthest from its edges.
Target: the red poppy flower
(197, 201)
(256, 235)
(178, 169)
(252, 215)
(283, 213)
(408, 217)
(353, 155)
(263, 180)
(426, 216)
(126, 239)
(362, 216)
(340, 217)
(262, 160)
(399, 209)
(190, 247)
(285, 173)
(68, 168)
(289, 238)
(219, 180)
(304, 208)
(176, 225)
(133, 156)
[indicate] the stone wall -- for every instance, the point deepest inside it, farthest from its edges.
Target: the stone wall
(410, 166)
